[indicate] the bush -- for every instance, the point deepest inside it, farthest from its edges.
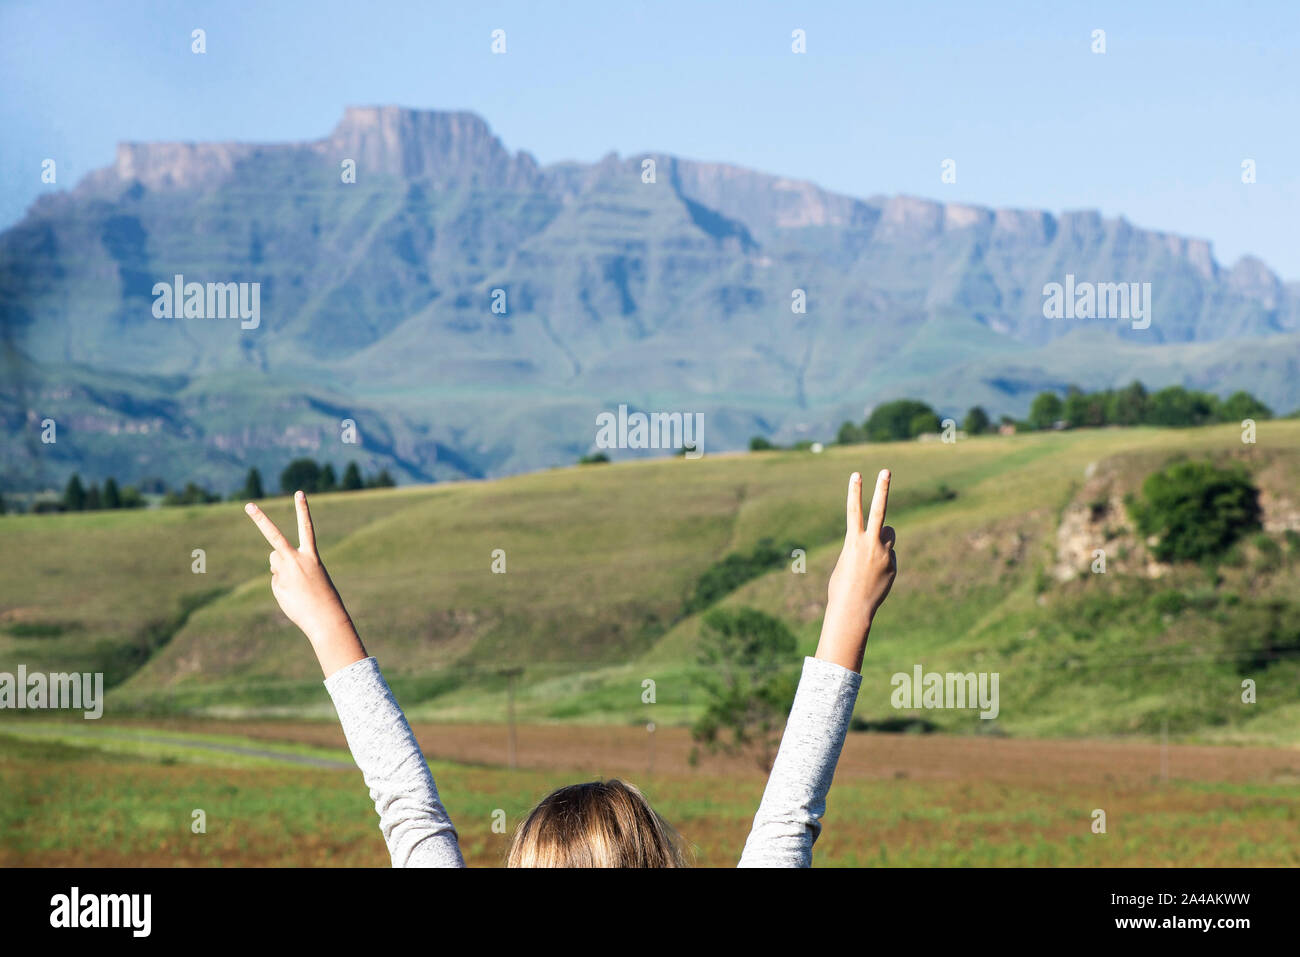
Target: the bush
(1197, 510)
(723, 577)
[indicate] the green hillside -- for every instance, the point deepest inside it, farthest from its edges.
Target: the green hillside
(600, 562)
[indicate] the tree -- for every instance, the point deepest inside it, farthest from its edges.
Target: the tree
(74, 496)
(131, 497)
(192, 494)
(1045, 411)
(352, 478)
(894, 421)
(93, 498)
(1196, 510)
(760, 444)
(382, 480)
(1127, 406)
(976, 421)
(749, 676)
(328, 481)
(1243, 405)
(112, 494)
(1178, 406)
(300, 474)
(3, 508)
(850, 434)
(253, 490)
(924, 423)
(1084, 409)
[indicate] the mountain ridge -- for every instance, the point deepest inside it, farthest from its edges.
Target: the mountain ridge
(395, 140)
(465, 298)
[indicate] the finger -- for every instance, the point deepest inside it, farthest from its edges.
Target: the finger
(272, 534)
(878, 502)
(853, 519)
(306, 534)
(888, 536)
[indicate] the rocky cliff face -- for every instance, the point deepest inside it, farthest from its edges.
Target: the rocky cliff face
(443, 148)
(479, 308)
(458, 148)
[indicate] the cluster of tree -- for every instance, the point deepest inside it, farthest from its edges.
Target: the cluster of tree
(78, 498)
(1133, 405)
(761, 443)
(308, 475)
(904, 419)
(305, 474)
(890, 422)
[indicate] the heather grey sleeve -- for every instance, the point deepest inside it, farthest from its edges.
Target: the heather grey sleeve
(413, 821)
(789, 818)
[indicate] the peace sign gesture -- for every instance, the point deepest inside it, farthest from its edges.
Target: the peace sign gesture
(862, 578)
(304, 591)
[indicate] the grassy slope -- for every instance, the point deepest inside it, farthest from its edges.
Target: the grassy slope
(601, 559)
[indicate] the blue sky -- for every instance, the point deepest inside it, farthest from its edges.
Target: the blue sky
(1155, 129)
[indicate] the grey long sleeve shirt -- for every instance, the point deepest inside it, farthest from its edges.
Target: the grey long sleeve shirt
(419, 833)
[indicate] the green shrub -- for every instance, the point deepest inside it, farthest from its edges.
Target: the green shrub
(725, 576)
(1197, 510)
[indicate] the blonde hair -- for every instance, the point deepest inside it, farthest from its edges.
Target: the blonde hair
(600, 824)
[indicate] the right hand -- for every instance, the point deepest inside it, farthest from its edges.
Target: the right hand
(862, 578)
(299, 581)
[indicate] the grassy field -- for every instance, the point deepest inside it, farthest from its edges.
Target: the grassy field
(215, 701)
(102, 797)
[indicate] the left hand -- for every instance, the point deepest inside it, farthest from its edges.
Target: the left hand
(862, 577)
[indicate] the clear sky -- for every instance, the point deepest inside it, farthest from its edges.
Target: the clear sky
(1155, 129)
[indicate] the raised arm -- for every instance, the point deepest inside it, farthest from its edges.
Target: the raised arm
(411, 816)
(789, 818)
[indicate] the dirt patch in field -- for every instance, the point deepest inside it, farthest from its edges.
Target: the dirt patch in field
(632, 751)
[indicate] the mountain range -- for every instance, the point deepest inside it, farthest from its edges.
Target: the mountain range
(472, 311)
